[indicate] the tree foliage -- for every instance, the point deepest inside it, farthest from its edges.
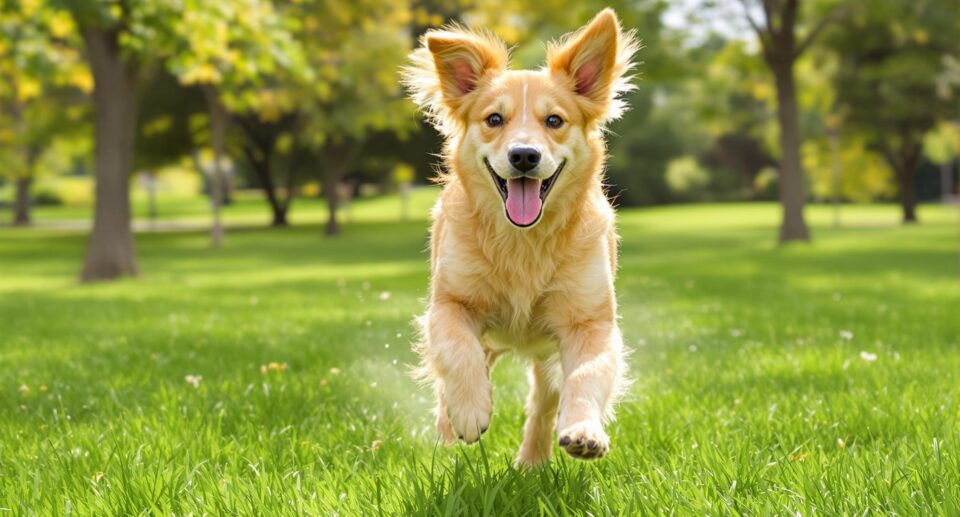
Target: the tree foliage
(889, 85)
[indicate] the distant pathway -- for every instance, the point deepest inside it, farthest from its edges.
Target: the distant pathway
(139, 226)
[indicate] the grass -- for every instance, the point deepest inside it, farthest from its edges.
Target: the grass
(753, 395)
(248, 209)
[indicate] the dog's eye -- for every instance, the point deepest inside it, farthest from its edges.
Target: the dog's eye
(495, 120)
(554, 121)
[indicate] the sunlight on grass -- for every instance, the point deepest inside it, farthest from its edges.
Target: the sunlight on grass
(817, 378)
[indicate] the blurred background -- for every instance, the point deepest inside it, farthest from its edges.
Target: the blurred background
(160, 115)
(254, 173)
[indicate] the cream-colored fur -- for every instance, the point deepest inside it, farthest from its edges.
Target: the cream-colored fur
(544, 292)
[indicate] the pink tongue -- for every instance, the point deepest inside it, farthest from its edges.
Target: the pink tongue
(523, 200)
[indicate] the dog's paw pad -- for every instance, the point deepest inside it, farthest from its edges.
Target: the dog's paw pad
(584, 440)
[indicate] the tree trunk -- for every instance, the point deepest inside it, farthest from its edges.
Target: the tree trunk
(110, 252)
(21, 207)
(279, 216)
(792, 189)
(331, 182)
(946, 182)
(218, 129)
(150, 179)
(262, 165)
(903, 160)
(908, 196)
(24, 178)
(835, 164)
(337, 159)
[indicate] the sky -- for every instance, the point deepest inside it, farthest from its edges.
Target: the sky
(725, 17)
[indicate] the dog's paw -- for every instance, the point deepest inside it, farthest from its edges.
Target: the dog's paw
(470, 419)
(585, 440)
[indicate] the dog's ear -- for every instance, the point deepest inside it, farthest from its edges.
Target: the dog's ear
(594, 62)
(462, 59)
(450, 65)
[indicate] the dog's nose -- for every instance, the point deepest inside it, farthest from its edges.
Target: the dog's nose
(523, 158)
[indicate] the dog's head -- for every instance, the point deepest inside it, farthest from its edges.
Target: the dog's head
(517, 138)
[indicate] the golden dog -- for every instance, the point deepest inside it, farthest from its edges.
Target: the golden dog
(523, 243)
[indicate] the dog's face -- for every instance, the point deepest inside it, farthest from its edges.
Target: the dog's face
(520, 138)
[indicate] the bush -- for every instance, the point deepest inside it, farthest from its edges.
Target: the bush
(45, 196)
(686, 176)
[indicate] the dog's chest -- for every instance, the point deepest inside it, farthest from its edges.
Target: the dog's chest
(506, 284)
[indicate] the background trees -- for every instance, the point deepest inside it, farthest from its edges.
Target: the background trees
(232, 50)
(781, 47)
(795, 100)
(40, 66)
(355, 49)
(892, 55)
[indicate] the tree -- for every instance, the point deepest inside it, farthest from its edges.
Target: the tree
(893, 54)
(780, 47)
(41, 67)
(357, 49)
(268, 137)
(230, 49)
(119, 36)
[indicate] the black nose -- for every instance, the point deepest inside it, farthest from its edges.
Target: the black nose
(524, 158)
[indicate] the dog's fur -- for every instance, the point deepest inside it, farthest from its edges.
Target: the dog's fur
(544, 291)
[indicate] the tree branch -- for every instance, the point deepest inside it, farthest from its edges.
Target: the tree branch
(768, 10)
(836, 15)
(761, 32)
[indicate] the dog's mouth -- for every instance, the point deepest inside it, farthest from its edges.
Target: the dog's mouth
(523, 197)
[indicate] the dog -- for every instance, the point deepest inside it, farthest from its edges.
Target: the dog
(523, 241)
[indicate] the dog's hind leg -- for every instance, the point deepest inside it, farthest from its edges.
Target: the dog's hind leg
(542, 404)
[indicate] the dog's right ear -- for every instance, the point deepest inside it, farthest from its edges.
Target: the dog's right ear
(450, 65)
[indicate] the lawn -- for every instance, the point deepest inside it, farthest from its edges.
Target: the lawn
(270, 376)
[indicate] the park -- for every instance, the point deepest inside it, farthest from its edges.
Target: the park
(216, 239)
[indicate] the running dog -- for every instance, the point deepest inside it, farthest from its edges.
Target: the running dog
(523, 243)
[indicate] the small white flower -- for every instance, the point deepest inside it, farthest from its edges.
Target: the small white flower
(867, 356)
(384, 296)
(194, 380)
(846, 334)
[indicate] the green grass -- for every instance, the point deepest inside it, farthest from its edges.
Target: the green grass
(747, 360)
(248, 209)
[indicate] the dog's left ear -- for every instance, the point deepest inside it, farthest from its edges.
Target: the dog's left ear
(594, 63)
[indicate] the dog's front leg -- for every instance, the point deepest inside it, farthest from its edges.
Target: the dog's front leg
(459, 366)
(592, 357)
